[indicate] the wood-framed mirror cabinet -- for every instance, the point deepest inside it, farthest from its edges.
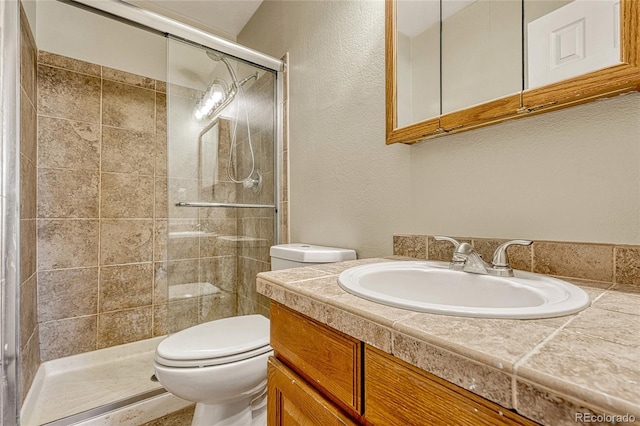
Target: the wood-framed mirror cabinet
(613, 80)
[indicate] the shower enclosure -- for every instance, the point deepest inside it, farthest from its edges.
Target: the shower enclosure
(176, 181)
(221, 128)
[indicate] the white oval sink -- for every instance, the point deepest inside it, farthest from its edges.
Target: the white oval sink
(428, 286)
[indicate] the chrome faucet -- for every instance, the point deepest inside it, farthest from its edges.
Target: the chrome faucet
(466, 259)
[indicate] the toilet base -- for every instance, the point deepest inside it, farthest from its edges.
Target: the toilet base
(238, 413)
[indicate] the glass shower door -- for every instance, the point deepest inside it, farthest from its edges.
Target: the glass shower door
(220, 185)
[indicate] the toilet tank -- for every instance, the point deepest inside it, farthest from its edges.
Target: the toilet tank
(295, 255)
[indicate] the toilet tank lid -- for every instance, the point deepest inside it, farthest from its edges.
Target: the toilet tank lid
(309, 253)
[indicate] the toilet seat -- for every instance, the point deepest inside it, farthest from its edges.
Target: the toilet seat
(216, 342)
(212, 361)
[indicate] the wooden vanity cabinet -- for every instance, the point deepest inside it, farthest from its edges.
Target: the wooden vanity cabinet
(320, 376)
(293, 402)
(328, 359)
(397, 393)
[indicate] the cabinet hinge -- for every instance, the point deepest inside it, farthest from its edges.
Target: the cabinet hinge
(524, 110)
(451, 129)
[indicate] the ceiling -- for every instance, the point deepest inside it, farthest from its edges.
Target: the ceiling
(225, 18)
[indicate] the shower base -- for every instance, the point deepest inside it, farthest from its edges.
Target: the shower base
(71, 390)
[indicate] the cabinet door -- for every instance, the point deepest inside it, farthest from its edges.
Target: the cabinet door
(291, 401)
(398, 394)
(327, 358)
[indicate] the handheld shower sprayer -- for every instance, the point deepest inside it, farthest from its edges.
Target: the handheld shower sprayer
(212, 108)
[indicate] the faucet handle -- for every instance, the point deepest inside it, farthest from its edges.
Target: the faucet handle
(500, 257)
(459, 248)
(443, 238)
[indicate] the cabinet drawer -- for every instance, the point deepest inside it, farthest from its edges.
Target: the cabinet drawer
(292, 402)
(326, 358)
(397, 393)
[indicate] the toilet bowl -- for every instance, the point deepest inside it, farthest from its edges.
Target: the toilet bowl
(221, 366)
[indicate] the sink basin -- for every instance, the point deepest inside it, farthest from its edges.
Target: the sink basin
(428, 286)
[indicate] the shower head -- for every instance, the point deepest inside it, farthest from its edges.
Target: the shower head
(217, 57)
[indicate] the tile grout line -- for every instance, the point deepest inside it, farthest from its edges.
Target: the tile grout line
(539, 346)
(60, 67)
(426, 247)
(98, 123)
(536, 349)
(100, 147)
(154, 235)
(101, 76)
(37, 265)
(533, 257)
(615, 264)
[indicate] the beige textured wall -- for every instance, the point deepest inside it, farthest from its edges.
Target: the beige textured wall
(347, 188)
(568, 175)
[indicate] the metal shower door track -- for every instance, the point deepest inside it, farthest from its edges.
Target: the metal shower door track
(104, 409)
(157, 22)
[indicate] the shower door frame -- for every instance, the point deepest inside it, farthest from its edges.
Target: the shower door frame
(133, 14)
(9, 210)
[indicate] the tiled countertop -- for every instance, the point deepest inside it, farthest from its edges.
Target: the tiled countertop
(547, 370)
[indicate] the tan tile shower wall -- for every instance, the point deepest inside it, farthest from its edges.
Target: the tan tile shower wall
(29, 343)
(114, 248)
(257, 225)
(607, 263)
(101, 200)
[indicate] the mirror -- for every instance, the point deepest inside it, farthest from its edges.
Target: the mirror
(481, 51)
(418, 64)
(481, 62)
(565, 39)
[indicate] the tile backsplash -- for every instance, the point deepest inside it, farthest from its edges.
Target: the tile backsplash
(607, 263)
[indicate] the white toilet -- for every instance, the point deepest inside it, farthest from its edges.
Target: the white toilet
(222, 365)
